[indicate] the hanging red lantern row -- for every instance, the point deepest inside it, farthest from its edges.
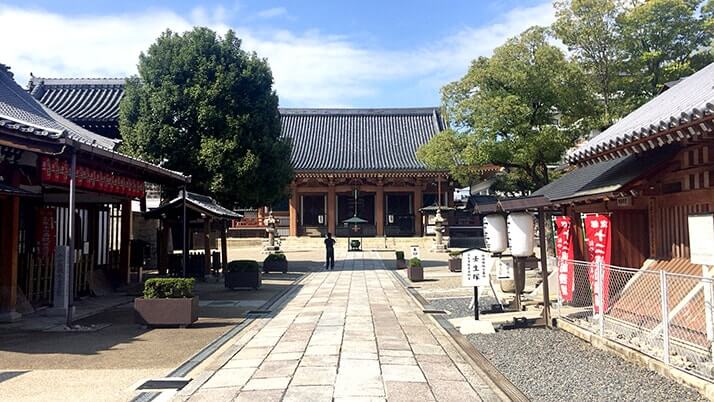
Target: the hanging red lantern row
(56, 171)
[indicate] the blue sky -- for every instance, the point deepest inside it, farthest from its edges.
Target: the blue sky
(323, 53)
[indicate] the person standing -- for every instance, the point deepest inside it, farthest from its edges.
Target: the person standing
(330, 252)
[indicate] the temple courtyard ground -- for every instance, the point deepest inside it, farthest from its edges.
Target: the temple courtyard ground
(352, 333)
(356, 333)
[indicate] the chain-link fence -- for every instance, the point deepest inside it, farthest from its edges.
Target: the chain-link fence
(665, 315)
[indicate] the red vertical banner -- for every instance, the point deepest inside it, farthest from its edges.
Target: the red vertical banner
(597, 239)
(46, 235)
(564, 254)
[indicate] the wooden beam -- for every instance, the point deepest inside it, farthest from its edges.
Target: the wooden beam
(293, 205)
(331, 209)
(207, 245)
(379, 210)
(418, 199)
(125, 241)
(224, 247)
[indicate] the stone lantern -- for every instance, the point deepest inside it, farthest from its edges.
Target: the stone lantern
(439, 231)
(270, 223)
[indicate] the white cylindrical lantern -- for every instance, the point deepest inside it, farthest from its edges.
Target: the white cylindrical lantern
(495, 233)
(521, 234)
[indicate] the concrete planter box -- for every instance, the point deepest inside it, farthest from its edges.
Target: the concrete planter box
(415, 274)
(401, 264)
(155, 312)
(234, 280)
(277, 266)
(455, 264)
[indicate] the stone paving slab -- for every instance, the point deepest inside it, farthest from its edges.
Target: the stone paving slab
(352, 334)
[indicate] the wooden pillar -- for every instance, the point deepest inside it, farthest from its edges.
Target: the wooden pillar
(224, 247)
(418, 198)
(379, 208)
(206, 245)
(294, 201)
(9, 235)
(163, 249)
(331, 208)
(125, 239)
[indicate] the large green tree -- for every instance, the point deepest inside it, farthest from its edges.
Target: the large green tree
(204, 106)
(520, 109)
(590, 30)
(662, 40)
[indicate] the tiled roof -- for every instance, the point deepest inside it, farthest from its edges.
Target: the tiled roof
(81, 100)
(323, 139)
(359, 139)
(199, 202)
(687, 101)
(20, 111)
(23, 114)
(603, 177)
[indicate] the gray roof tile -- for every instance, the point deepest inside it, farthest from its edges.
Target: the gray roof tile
(323, 139)
(82, 100)
(20, 111)
(604, 177)
(691, 98)
(359, 139)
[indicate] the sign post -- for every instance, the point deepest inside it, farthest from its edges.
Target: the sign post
(475, 270)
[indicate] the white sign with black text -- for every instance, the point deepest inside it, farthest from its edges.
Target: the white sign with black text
(415, 252)
(476, 268)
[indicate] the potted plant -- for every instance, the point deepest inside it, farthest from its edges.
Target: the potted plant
(243, 274)
(455, 261)
(401, 264)
(415, 272)
(275, 262)
(167, 301)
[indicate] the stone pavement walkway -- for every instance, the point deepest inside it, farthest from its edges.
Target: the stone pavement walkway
(349, 334)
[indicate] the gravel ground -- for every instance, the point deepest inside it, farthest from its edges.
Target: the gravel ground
(459, 306)
(552, 365)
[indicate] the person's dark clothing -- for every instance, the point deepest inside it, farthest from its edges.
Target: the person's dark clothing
(330, 253)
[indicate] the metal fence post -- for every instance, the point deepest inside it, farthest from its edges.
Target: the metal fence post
(708, 313)
(665, 316)
(600, 296)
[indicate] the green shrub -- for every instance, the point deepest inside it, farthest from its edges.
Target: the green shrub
(414, 263)
(354, 243)
(400, 255)
(275, 257)
(454, 253)
(243, 266)
(171, 288)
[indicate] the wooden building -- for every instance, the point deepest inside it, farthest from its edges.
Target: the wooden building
(37, 151)
(362, 162)
(650, 170)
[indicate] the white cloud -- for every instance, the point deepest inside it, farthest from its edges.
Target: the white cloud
(310, 68)
(273, 12)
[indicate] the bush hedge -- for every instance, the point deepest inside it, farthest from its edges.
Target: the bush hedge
(414, 262)
(243, 266)
(171, 288)
(400, 255)
(454, 253)
(275, 257)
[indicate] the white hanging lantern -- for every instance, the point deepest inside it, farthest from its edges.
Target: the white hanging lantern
(495, 233)
(521, 234)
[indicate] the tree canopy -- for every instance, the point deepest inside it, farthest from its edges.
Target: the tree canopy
(518, 109)
(524, 106)
(204, 106)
